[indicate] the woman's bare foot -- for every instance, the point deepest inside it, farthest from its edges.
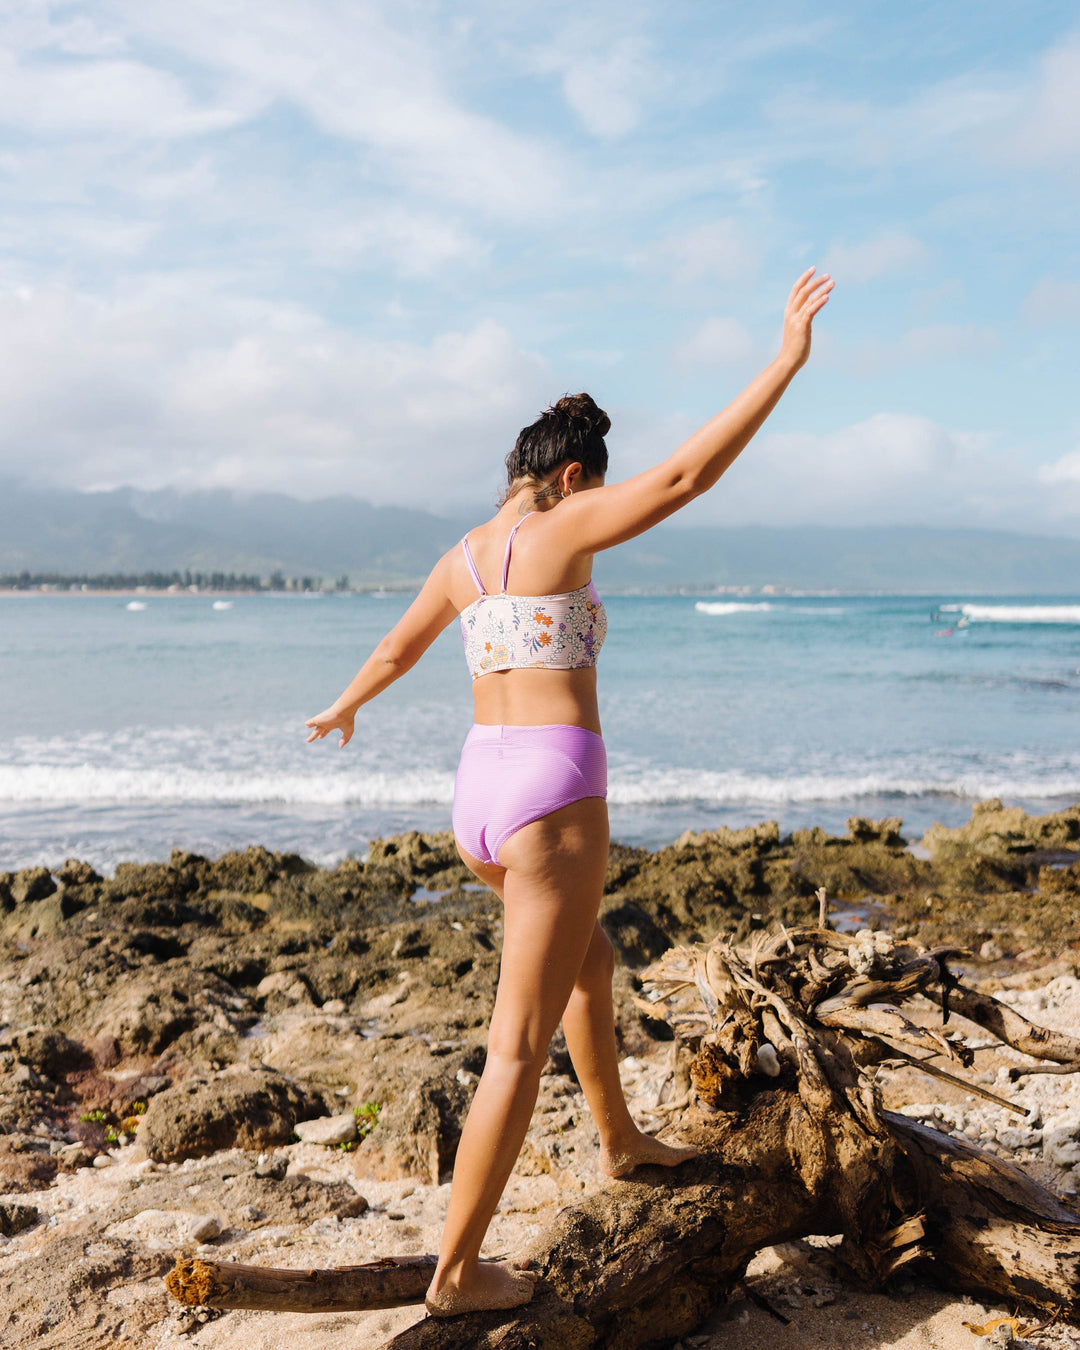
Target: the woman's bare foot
(496, 1284)
(617, 1161)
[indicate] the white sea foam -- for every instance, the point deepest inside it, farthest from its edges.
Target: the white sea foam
(86, 784)
(725, 607)
(1016, 613)
(732, 788)
(730, 607)
(91, 785)
(135, 604)
(222, 604)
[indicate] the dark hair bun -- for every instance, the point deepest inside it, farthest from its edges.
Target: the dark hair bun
(582, 408)
(571, 429)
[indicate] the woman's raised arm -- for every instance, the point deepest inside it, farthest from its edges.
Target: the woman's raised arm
(399, 651)
(607, 516)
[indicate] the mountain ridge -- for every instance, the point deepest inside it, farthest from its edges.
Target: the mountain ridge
(133, 530)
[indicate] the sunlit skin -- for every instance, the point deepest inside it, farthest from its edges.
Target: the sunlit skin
(556, 962)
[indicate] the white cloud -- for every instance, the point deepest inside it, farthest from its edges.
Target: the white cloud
(85, 98)
(890, 468)
(891, 251)
(717, 249)
(605, 87)
(1051, 300)
(720, 341)
(943, 341)
(1060, 481)
(1045, 127)
(1018, 116)
(926, 343)
(418, 244)
(182, 385)
(364, 78)
(1064, 470)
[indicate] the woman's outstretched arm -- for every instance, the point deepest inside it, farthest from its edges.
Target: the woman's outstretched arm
(609, 515)
(399, 651)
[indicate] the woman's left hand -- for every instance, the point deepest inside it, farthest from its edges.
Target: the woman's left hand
(807, 296)
(331, 720)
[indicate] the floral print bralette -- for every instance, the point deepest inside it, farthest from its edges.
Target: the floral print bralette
(512, 632)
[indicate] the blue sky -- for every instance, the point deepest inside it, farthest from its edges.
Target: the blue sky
(333, 247)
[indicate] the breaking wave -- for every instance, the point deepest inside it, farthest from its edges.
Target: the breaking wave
(1016, 613)
(87, 785)
(730, 607)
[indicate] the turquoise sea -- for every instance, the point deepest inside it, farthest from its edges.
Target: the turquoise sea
(130, 727)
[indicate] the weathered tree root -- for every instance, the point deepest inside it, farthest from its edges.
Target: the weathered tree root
(642, 1263)
(785, 1034)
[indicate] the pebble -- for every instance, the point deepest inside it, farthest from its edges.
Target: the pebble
(329, 1130)
(203, 1227)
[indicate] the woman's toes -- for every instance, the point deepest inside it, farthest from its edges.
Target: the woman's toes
(646, 1150)
(496, 1284)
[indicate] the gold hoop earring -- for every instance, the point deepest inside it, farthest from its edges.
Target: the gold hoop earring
(568, 493)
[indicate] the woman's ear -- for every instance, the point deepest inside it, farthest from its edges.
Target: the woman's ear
(571, 476)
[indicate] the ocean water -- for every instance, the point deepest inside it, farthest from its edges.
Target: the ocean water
(128, 728)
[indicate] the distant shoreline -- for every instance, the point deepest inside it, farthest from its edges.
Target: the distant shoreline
(411, 588)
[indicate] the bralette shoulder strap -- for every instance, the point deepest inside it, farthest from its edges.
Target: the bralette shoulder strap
(472, 566)
(510, 544)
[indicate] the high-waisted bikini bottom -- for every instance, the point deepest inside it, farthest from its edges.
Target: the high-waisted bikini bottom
(510, 776)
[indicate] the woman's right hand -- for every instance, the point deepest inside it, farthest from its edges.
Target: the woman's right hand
(331, 720)
(807, 296)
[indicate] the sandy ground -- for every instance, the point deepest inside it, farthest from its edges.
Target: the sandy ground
(405, 1217)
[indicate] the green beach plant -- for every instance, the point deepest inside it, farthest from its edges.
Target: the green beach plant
(367, 1117)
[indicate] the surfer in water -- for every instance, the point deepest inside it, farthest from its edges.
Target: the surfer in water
(530, 810)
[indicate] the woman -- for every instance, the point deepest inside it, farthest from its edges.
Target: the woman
(530, 810)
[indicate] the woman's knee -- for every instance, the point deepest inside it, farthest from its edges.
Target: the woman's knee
(521, 1050)
(598, 968)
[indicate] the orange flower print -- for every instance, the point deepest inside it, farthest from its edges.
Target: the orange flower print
(543, 618)
(544, 639)
(487, 646)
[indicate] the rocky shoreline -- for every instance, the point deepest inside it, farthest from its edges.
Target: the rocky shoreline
(254, 1054)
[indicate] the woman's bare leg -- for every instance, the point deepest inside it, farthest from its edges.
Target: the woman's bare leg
(589, 1026)
(551, 890)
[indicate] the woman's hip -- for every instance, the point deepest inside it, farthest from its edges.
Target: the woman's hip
(510, 776)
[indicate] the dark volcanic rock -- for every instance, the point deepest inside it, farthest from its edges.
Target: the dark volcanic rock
(149, 1011)
(32, 883)
(377, 978)
(26, 1163)
(418, 1132)
(14, 1218)
(45, 1049)
(996, 831)
(232, 1110)
(75, 872)
(717, 880)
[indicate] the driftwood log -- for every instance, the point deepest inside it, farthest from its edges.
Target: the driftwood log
(779, 1041)
(389, 1283)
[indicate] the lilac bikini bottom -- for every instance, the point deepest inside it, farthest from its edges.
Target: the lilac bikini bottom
(510, 776)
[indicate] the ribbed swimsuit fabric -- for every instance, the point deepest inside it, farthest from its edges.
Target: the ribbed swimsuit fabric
(511, 776)
(514, 632)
